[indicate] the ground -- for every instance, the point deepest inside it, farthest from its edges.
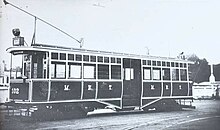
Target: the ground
(205, 116)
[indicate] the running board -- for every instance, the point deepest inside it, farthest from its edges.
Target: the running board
(150, 103)
(109, 104)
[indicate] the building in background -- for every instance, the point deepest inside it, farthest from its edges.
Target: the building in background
(4, 83)
(207, 90)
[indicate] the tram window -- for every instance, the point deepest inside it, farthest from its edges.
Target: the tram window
(172, 64)
(175, 74)
(27, 69)
(52, 69)
(144, 62)
(54, 56)
(78, 57)
(93, 58)
(183, 74)
(168, 64)
(71, 57)
(106, 60)
(163, 63)
(100, 59)
(39, 65)
(75, 71)
(158, 63)
(58, 70)
(62, 56)
(156, 73)
(181, 64)
(166, 73)
(85, 58)
(112, 59)
(89, 71)
(115, 72)
(103, 71)
(154, 63)
(148, 62)
(184, 65)
(147, 73)
(129, 73)
(119, 60)
(176, 64)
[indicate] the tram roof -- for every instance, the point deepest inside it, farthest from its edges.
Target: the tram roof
(44, 48)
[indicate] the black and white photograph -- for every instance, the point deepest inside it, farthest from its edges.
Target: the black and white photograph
(109, 64)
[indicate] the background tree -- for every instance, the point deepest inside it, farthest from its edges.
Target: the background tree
(200, 70)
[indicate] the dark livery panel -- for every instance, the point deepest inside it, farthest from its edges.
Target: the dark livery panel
(19, 90)
(67, 90)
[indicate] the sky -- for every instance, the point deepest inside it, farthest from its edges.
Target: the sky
(161, 27)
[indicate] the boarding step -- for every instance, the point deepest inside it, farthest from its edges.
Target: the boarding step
(126, 108)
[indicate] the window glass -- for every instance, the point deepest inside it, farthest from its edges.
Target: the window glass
(144, 62)
(116, 72)
(166, 73)
(78, 57)
(163, 63)
(172, 64)
(89, 71)
(147, 73)
(119, 60)
(175, 74)
(156, 73)
(70, 56)
(60, 71)
(129, 73)
(100, 59)
(52, 69)
(168, 64)
(62, 56)
(54, 56)
(106, 60)
(103, 71)
(93, 58)
(112, 59)
(158, 63)
(75, 71)
(85, 58)
(148, 62)
(154, 63)
(176, 64)
(183, 74)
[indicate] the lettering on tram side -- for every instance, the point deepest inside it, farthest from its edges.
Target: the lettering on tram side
(15, 91)
(66, 87)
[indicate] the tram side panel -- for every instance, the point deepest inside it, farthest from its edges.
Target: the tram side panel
(19, 90)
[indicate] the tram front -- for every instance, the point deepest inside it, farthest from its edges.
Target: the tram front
(33, 65)
(28, 64)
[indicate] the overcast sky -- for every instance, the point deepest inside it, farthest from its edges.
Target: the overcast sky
(165, 27)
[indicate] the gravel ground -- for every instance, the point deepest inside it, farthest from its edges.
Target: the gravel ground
(205, 116)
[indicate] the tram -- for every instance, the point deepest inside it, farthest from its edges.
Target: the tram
(59, 81)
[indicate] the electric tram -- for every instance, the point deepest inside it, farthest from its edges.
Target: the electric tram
(60, 81)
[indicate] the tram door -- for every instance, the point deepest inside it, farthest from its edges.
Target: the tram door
(131, 82)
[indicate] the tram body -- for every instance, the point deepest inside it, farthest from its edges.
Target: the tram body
(59, 78)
